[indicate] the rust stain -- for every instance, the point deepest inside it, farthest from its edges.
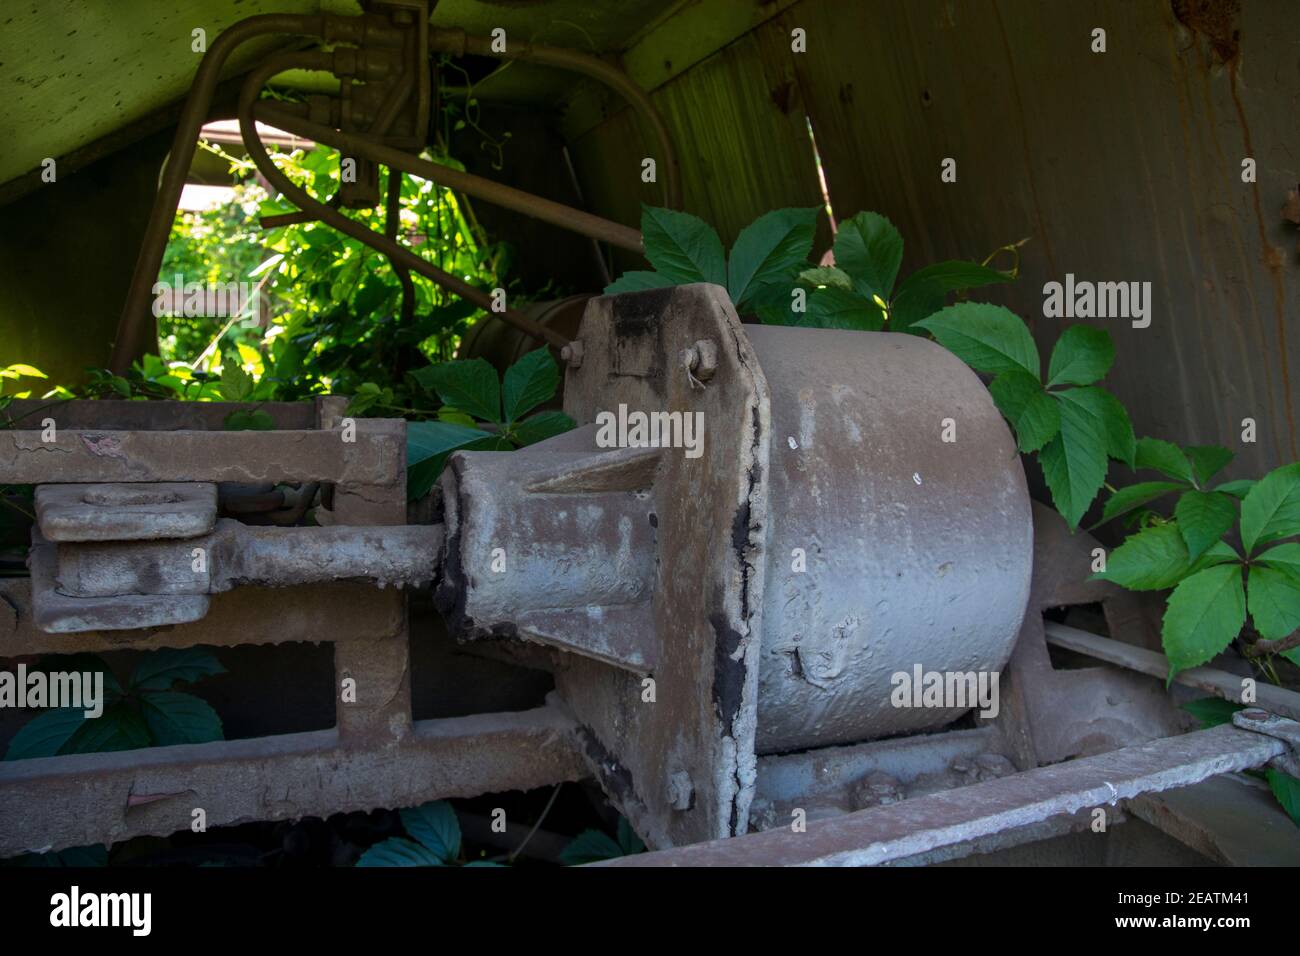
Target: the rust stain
(1273, 259)
(1218, 21)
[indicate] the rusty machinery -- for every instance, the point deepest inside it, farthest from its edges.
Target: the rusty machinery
(724, 623)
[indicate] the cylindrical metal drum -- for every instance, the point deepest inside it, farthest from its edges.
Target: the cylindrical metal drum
(899, 535)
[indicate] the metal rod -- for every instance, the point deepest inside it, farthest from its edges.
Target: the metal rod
(498, 194)
(133, 325)
(458, 43)
(303, 200)
(1221, 683)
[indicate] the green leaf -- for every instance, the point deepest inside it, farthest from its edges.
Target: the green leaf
(1109, 414)
(119, 727)
(1238, 489)
(541, 426)
(638, 282)
(78, 857)
(1033, 413)
(628, 841)
(682, 247)
(922, 293)
(176, 718)
(427, 446)
(1274, 601)
(1207, 461)
(1074, 462)
(1153, 559)
(236, 384)
(46, 733)
(1203, 518)
(1285, 557)
(255, 420)
(1134, 496)
(589, 846)
(1206, 611)
(988, 338)
(1271, 509)
(396, 851)
(83, 663)
(1082, 355)
(768, 251)
(1164, 457)
(469, 384)
(952, 276)
(870, 250)
(435, 826)
(827, 276)
(529, 382)
(1212, 711)
(160, 669)
(834, 308)
(1287, 790)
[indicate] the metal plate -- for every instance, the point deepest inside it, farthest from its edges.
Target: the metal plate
(682, 768)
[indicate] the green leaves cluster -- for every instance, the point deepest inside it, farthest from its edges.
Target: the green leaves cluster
(146, 712)
(591, 846)
(435, 840)
(1074, 425)
(768, 272)
(471, 394)
(1214, 585)
(764, 261)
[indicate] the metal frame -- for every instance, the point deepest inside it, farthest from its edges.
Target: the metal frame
(376, 756)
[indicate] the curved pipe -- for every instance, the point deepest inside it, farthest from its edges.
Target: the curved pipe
(303, 200)
(132, 326)
(498, 194)
(458, 43)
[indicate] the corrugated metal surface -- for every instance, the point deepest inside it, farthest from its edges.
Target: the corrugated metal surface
(1122, 166)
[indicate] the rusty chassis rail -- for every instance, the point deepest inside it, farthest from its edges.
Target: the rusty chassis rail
(1032, 799)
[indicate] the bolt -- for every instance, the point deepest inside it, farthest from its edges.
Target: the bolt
(681, 792)
(1255, 714)
(571, 354)
(700, 361)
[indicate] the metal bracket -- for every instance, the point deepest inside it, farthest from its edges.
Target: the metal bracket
(1271, 725)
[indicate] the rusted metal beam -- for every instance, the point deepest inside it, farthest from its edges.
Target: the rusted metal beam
(922, 825)
(1221, 683)
(337, 612)
(56, 802)
(78, 456)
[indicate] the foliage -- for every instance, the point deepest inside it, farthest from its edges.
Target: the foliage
(1213, 711)
(146, 712)
(768, 272)
(590, 846)
(337, 318)
(478, 412)
(1075, 431)
(1214, 585)
(435, 833)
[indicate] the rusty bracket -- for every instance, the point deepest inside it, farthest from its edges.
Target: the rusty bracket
(1281, 728)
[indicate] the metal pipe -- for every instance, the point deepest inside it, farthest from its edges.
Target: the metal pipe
(458, 43)
(132, 327)
(299, 197)
(478, 187)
